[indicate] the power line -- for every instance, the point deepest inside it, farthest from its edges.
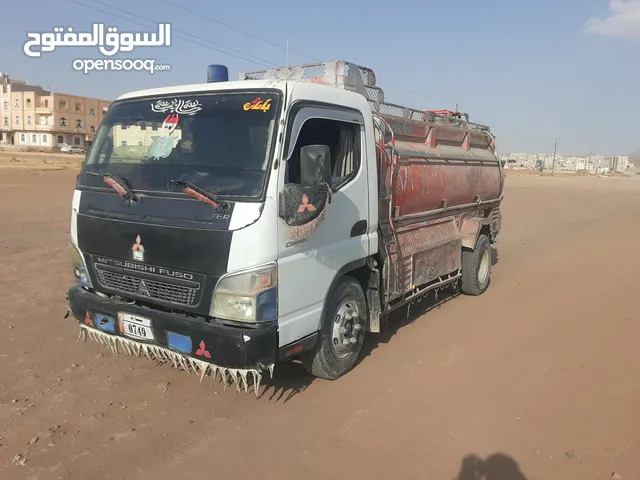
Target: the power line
(244, 32)
(262, 39)
(237, 53)
(240, 55)
(260, 61)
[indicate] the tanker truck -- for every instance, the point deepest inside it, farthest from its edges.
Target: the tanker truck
(228, 226)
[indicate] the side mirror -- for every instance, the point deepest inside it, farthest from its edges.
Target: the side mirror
(302, 203)
(315, 165)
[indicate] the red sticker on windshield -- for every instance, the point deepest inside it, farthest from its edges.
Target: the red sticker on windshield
(170, 122)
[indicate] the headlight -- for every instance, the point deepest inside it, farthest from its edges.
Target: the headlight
(80, 271)
(249, 297)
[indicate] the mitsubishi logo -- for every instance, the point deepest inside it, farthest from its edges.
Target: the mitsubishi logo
(138, 250)
(202, 351)
(306, 205)
(143, 290)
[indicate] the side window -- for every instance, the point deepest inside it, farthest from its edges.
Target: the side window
(343, 140)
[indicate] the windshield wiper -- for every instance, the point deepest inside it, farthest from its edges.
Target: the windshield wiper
(119, 184)
(201, 194)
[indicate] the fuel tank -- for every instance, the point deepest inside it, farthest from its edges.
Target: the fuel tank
(426, 180)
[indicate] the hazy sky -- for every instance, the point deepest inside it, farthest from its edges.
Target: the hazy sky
(533, 70)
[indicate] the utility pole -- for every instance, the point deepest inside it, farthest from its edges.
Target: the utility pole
(588, 162)
(555, 149)
(287, 55)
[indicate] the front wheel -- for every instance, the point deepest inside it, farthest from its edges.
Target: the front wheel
(476, 267)
(342, 332)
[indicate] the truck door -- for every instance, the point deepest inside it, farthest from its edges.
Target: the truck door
(307, 267)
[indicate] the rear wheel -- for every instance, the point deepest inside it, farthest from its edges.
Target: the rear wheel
(342, 333)
(476, 267)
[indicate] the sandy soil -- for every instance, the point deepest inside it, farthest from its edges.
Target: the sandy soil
(536, 379)
(13, 160)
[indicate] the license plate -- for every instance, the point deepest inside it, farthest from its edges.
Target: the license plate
(136, 327)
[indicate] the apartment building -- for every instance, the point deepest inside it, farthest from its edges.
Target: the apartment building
(33, 116)
(619, 164)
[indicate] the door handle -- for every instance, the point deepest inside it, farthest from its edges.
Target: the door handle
(359, 228)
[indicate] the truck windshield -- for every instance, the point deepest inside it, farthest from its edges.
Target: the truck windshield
(221, 142)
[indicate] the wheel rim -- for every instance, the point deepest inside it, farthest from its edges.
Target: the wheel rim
(347, 329)
(483, 270)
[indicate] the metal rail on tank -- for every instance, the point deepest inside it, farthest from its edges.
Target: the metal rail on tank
(356, 78)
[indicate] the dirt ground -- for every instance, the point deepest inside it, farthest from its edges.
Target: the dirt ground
(537, 379)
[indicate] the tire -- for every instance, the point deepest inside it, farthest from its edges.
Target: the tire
(476, 268)
(331, 358)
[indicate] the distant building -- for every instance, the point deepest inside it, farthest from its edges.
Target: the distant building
(620, 164)
(33, 116)
(521, 160)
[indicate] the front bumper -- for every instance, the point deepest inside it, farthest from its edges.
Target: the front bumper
(246, 349)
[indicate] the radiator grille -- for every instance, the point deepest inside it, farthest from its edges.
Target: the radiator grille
(167, 292)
